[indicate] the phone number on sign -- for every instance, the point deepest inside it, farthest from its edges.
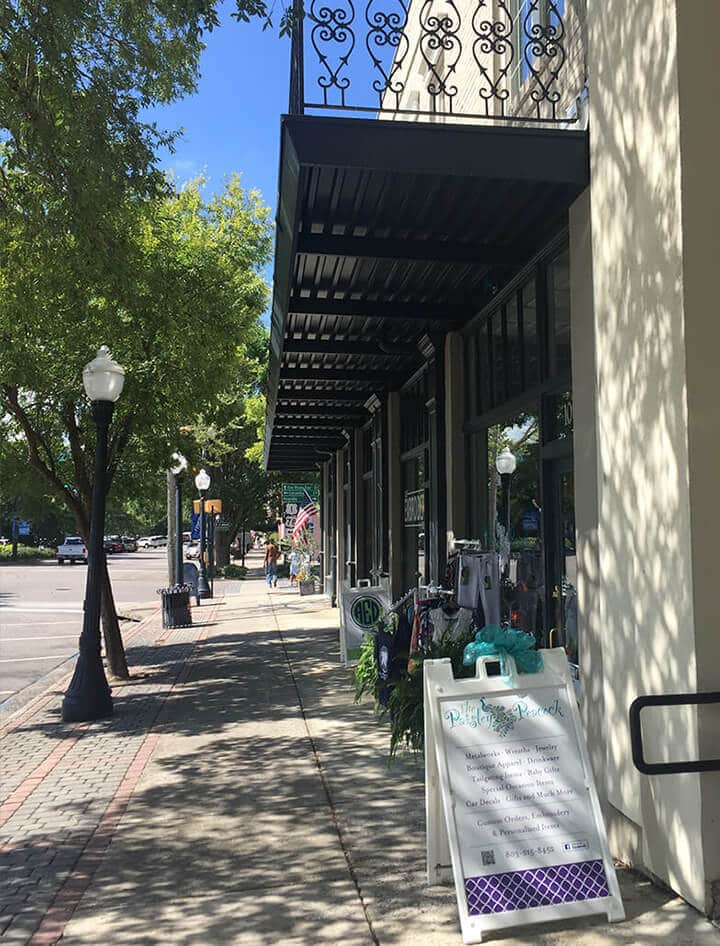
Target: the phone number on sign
(529, 852)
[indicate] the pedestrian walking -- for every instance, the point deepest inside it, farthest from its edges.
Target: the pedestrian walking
(294, 566)
(272, 553)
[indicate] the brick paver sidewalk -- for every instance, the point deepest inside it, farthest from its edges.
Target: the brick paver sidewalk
(239, 797)
(64, 787)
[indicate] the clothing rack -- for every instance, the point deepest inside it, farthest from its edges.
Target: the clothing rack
(401, 600)
(434, 591)
(467, 545)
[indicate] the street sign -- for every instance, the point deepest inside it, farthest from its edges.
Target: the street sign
(212, 506)
(508, 768)
(300, 493)
(414, 508)
(530, 521)
(294, 497)
(23, 527)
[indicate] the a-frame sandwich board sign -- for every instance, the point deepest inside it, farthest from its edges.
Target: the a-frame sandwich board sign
(511, 802)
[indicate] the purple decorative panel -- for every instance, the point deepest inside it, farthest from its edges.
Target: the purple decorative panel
(539, 887)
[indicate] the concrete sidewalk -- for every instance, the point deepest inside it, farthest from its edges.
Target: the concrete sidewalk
(239, 796)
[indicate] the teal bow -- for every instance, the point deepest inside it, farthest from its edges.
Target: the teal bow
(504, 642)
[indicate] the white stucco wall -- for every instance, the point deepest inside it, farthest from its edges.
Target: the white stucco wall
(645, 606)
(699, 85)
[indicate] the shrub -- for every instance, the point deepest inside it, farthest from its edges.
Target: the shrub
(26, 552)
(233, 571)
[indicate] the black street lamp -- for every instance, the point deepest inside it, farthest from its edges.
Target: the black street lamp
(177, 470)
(202, 482)
(88, 696)
(506, 464)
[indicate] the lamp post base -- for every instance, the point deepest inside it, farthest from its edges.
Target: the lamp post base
(203, 588)
(88, 696)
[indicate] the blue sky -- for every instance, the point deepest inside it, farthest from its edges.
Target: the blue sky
(232, 123)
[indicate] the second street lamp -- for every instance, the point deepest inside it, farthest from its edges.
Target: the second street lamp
(505, 464)
(88, 696)
(202, 482)
(179, 466)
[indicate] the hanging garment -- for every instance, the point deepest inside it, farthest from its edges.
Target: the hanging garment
(449, 626)
(479, 584)
(392, 643)
(421, 630)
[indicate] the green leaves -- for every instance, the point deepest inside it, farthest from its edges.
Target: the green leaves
(180, 312)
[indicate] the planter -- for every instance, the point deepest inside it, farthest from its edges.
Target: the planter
(307, 587)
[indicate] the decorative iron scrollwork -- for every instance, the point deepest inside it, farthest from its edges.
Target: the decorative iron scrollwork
(494, 53)
(388, 45)
(544, 53)
(333, 39)
(441, 48)
(517, 49)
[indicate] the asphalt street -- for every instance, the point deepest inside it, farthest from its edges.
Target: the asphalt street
(41, 607)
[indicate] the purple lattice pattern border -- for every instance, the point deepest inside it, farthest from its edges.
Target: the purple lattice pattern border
(538, 887)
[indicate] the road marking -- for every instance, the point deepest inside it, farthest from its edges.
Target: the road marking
(48, 610)
(24, 660)
(54, 637)
(36, 623)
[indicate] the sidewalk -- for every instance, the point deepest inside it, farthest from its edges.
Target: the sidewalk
(239, 796)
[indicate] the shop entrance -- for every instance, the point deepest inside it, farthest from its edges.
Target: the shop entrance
(562, 557)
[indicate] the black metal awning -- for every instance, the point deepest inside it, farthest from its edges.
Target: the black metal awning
(388, 231)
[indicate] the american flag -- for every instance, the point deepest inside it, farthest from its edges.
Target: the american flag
(309, 510)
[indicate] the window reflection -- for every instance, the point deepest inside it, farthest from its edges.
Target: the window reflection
(516, 522)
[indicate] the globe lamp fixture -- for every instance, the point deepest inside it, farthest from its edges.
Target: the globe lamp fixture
(506, 463)
(202, 481)
(103, 378)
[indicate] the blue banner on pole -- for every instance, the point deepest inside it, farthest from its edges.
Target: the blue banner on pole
(195, 526)
(23, 527)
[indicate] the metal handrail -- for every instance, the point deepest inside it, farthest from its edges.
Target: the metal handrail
(667, 768)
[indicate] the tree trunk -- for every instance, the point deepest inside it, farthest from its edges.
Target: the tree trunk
(114, 649)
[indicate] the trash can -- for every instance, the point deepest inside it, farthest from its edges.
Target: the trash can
(176, 606)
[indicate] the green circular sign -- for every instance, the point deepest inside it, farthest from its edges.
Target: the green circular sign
(366, 612)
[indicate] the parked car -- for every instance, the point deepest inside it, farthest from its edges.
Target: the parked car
(192, 550)
(72, 550)
(157, 541)
(129, 544)
(112, 543)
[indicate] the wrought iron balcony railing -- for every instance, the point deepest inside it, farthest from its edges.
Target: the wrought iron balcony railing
(521, 60)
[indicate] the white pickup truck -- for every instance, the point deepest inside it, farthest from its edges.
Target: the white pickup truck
(72, 550)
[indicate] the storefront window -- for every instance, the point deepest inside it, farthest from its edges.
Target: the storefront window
(498, 357)
(559, 416)
(559, 301)
(515, 506)
(531, 343)
(414, 520)
(567, 616)
(514, 349)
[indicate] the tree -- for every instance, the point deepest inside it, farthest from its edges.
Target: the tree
(229, 439)
(75, 77)
(178, 327)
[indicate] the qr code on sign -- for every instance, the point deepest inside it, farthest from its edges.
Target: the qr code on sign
(488, 858)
